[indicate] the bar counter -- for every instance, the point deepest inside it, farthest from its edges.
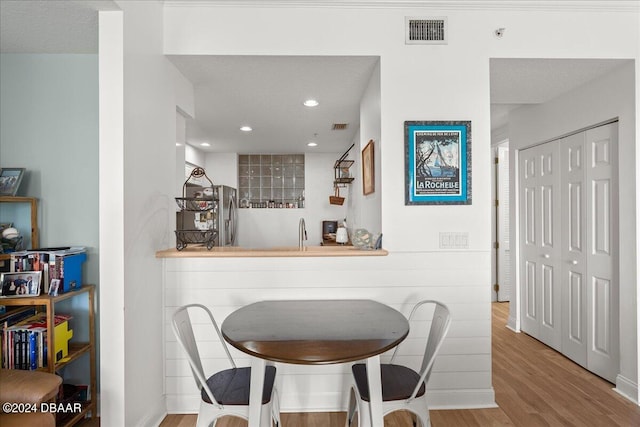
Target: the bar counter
(278, 252)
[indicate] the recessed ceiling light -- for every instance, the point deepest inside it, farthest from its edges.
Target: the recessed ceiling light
(312, 144)
(205, 144)
(246, 129)
(311, 103)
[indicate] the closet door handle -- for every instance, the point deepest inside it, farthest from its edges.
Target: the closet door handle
(573, 262)
(547, 256)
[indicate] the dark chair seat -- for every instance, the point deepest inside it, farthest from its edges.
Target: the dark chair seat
(398, 382)
(231, 386)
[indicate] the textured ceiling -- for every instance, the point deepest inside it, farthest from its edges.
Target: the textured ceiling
(53, 26)
(267, 91)
(535, 81)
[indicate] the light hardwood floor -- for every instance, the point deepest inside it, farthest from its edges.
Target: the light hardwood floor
(534, 386)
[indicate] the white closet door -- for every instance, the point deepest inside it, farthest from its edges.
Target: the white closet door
(569, 238)
(601, 256)
(540, 251)
(574, 275)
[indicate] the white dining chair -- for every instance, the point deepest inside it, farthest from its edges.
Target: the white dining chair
(225, 392)
(402, 387)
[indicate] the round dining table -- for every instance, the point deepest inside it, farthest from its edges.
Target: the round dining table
(315, 332)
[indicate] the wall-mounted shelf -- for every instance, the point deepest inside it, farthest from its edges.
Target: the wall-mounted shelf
(341, 174)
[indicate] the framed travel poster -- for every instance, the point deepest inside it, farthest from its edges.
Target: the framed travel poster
(437, 162)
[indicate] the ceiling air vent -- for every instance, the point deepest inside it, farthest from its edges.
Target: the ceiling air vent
(339, 126)
(426, 30)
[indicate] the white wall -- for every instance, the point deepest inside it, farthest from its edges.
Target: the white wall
(181, 152)
(459, 377)
(111, 218)
(222, 168)
(606, 98)
(260, 228)
(369, 212)
(194, 156)
(49, 125)
(151, 96)
(49, 116)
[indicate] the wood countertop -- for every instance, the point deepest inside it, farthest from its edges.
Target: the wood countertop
(276, 252)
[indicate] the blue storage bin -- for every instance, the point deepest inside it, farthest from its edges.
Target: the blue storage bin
(71, 271)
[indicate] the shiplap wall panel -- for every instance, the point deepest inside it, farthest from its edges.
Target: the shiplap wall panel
(462, 372)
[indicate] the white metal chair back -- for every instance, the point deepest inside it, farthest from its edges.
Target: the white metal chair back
(440, 322)
(183, 330)
(396, 396)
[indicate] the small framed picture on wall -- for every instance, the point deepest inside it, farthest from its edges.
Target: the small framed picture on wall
(368, 169)
(10, 179)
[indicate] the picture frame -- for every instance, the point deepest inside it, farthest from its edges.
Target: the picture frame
(54, 287)
(10, 179)
(20, 284)
(368, 169)
(437, 162)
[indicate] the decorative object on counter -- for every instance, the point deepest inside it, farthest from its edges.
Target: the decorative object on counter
(204, 205)
(368, 171)
(10, 179)
(342, 237)
(363, 239)
(329, 229)
(336, 199)
(437, 162)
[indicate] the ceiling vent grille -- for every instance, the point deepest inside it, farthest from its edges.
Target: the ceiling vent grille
(426, 30)
(339, 126)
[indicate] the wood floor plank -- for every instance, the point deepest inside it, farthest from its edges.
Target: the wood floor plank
(535, 386)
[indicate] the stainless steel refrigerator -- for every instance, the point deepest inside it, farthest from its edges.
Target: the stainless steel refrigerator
(225, 216)
(220, 216)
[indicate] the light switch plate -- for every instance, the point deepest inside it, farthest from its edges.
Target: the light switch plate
(454, 240)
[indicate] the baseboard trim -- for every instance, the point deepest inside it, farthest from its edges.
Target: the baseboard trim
(155, 416)
(627, 388)
(511, 324)
(462, 399)
(336, 402)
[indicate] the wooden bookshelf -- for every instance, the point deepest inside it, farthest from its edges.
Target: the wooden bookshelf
(76, 349)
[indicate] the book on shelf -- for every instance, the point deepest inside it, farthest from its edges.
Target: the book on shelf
(24, 343)
(51, 262)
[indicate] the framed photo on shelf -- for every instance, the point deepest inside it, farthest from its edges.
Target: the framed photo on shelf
(10, 179)
(437, 162)
(20, 284)
(54, 287)
(368, 169)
